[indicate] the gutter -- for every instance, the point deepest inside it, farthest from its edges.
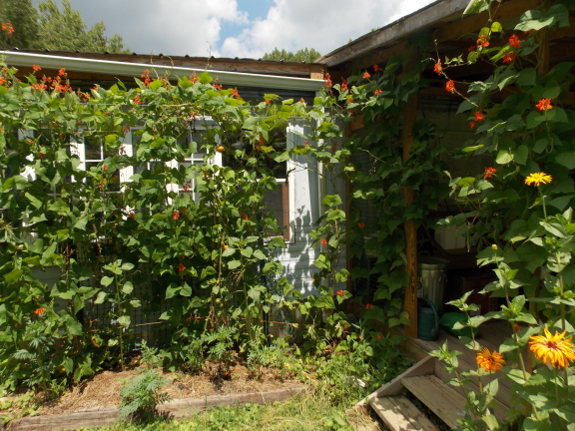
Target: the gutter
(118, 68)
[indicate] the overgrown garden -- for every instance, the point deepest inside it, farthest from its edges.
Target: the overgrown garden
(210, 261)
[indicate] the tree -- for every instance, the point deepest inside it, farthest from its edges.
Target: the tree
(24, 19)
(66, 31)
(306, 55)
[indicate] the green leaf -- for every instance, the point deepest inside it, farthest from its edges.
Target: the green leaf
(124, 321)
(205, 78)
(100, 298)
(13, 275)
(186, 290)
(234, 264)
(128, 287)
(106, 281)
(496, 27)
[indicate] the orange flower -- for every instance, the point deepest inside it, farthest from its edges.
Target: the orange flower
(181, 268)
(105, 167)
(376, 68)
(324, 242)
(488, 172)
(553, 348)
(132, 216)
(490, 361)
(340, 292)
(450, 86)
(268, 101)
(544, 105)
(361, 225)
(36, 67)
(39, 311)
(479, 116)
(175, 215)
(514, 41)
(369, 306)
(471, 125)
(482, 41)
(2, 81)
(327, 80)
(62, 72)
(366, 75)
(377, 92)
(437, 68)
(379, 336)
(509, 58)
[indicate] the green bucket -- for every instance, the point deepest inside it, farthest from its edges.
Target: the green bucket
(448, 320)
(427, 320)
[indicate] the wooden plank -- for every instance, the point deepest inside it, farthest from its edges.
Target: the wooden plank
(394, 387)
(430, 15)
(176, 408)
(399, 414)
(410, 302)
(444, 401)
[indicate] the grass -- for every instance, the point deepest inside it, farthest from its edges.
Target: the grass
(312, 411)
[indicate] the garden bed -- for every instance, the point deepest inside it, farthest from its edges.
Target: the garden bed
(94, 402)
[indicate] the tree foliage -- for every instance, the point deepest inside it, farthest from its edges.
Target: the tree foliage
(55, 28)
(24, 18)
(308, 55)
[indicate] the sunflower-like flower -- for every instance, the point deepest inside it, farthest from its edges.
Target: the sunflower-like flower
(538, 178)
(490, 361)
(553, 349)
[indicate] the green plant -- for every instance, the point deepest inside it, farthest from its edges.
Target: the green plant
(141, 396)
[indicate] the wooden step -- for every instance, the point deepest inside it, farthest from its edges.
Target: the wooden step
(444, 401)
(399, 414)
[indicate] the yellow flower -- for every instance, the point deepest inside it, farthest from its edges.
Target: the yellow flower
(490, 361)
(553, 348)
(538, 178)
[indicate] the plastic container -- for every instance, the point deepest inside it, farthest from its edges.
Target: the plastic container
(427, 320)
(432, 279)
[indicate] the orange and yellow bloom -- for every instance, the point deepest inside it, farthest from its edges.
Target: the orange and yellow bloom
(544, 105)
(490, 361)
(553, 349)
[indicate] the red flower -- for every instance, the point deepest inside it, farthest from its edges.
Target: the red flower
(268, 101)
(508, 58)
(236, 94)
(437, 68)
(366, 75)
(376, 68)
(544, 105)
(323, 241)
(105, 167)
(175, 215)
(181, 268)
(515, 42)
(36, 67)
(488, 173)
(137, 100)
(302, 100)
(479, 116)
(343, 85)
(369, 306)
(482, 41)
(39, 311)
(2, 81)
(379, 337)
(132, 216)
(450, 86)
(340, 292)
(327, 80)
(361, 225)
(62, 72)
(377, 92)
(471, 125)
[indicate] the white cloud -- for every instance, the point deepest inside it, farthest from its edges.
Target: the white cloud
(171, 27)
(320, 24)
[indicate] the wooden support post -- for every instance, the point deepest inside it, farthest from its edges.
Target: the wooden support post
(410, 303)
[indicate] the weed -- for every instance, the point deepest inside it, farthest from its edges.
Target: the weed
(140, 396)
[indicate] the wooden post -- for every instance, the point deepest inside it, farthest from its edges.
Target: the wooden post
(410, 302)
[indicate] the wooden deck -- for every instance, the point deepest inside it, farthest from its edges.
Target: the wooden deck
(491, 335)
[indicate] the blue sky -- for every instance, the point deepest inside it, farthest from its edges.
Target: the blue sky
(239, 28)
